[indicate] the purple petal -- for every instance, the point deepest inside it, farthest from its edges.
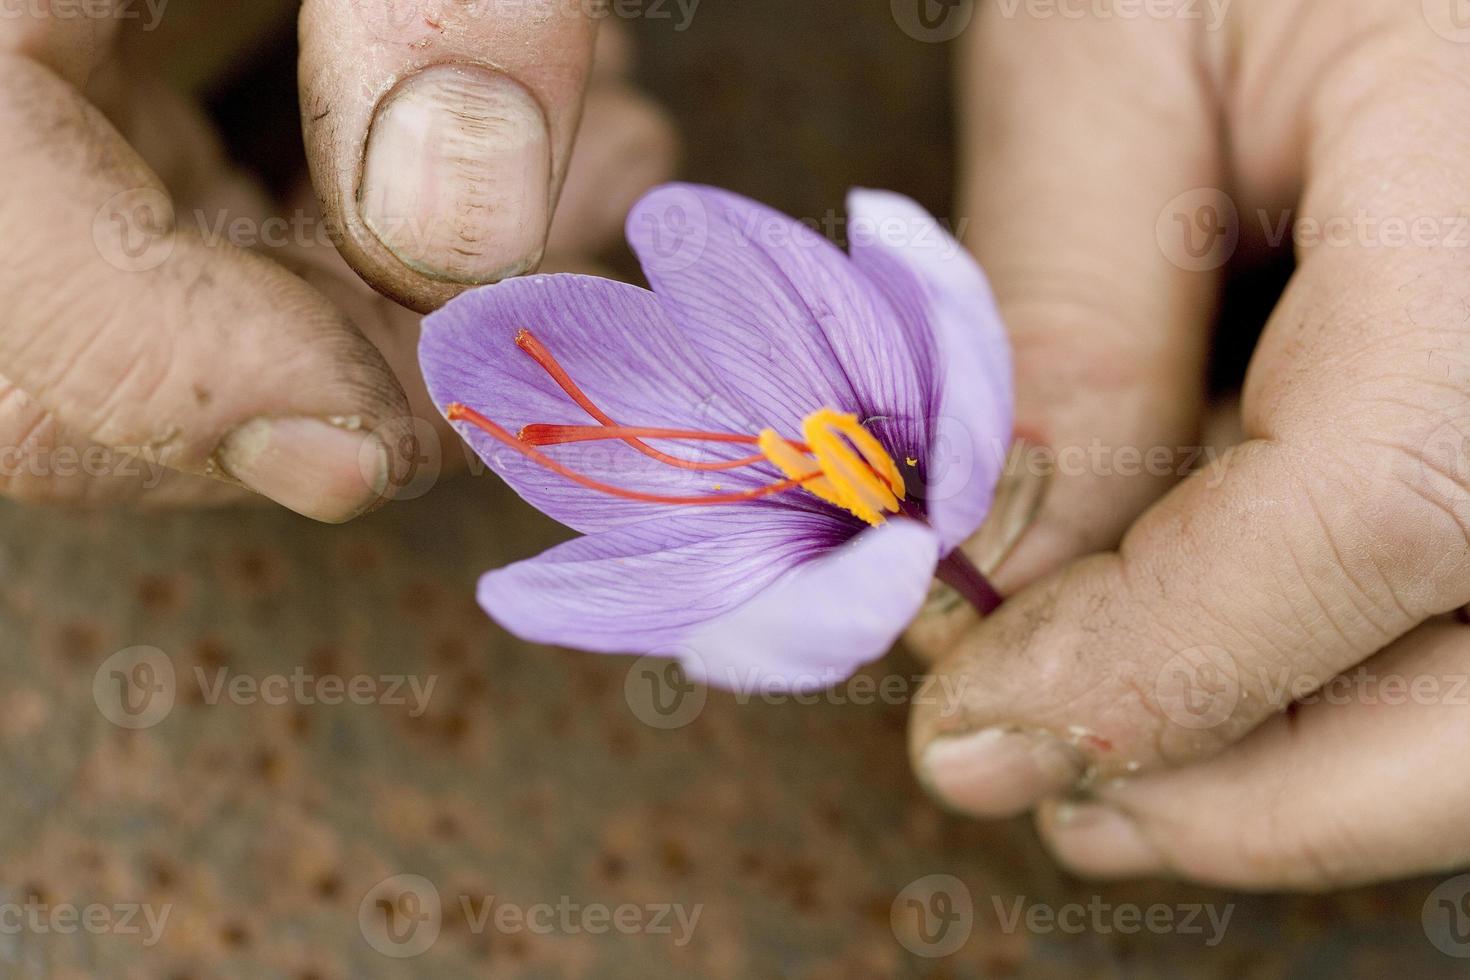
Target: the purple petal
(642, 587)
(781, 312)
(824, 619)
(618, 344)
(928, 276)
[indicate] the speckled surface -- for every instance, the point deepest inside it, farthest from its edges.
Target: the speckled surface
(529, 777)
(532, 775)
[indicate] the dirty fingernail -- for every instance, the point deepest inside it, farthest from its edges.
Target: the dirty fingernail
(1097, 839)
(999, 773)
(308, 465)
(456, 178)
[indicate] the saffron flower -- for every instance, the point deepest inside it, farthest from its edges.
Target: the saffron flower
(769, 455)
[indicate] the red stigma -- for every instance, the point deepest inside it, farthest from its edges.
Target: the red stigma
(538, 434)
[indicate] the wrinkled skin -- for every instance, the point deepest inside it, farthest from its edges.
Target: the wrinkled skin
(1333, 539)
(106, 351)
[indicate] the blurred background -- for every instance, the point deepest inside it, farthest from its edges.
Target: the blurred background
(173, 767)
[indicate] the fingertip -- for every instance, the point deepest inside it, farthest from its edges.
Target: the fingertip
(320, 470)
(997, 773)
(1098, 841)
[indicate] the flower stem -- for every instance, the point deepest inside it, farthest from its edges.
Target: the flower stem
(960, 574)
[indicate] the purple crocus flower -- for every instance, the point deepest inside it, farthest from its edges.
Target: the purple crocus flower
(769, 455)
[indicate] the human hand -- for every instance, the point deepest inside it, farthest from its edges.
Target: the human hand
(145, 360)
(1155, 680)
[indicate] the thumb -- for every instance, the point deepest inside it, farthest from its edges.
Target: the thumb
(439, 132)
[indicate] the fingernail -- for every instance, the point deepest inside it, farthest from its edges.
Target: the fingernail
(999, 773)
(1098, 839)
(456, 179)
(1018, 498)
(317, 469)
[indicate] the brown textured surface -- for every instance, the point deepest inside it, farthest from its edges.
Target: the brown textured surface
(529, 777)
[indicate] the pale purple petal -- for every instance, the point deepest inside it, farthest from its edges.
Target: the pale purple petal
(642, 587)
(821, 621)
(619, 345)
(782, 313)
(927, 275)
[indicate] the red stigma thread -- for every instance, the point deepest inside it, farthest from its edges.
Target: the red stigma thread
(538, 434)
(527, 342)
(461, 413)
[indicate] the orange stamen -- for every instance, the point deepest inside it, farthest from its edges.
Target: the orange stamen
(462, 413)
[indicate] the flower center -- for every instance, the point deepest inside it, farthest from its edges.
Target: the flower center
(839, 462)
(848, 468)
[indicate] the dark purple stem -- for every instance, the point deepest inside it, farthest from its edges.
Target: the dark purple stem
(960, 574)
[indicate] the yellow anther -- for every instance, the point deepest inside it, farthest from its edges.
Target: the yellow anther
(796, 465)
(857, 474)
